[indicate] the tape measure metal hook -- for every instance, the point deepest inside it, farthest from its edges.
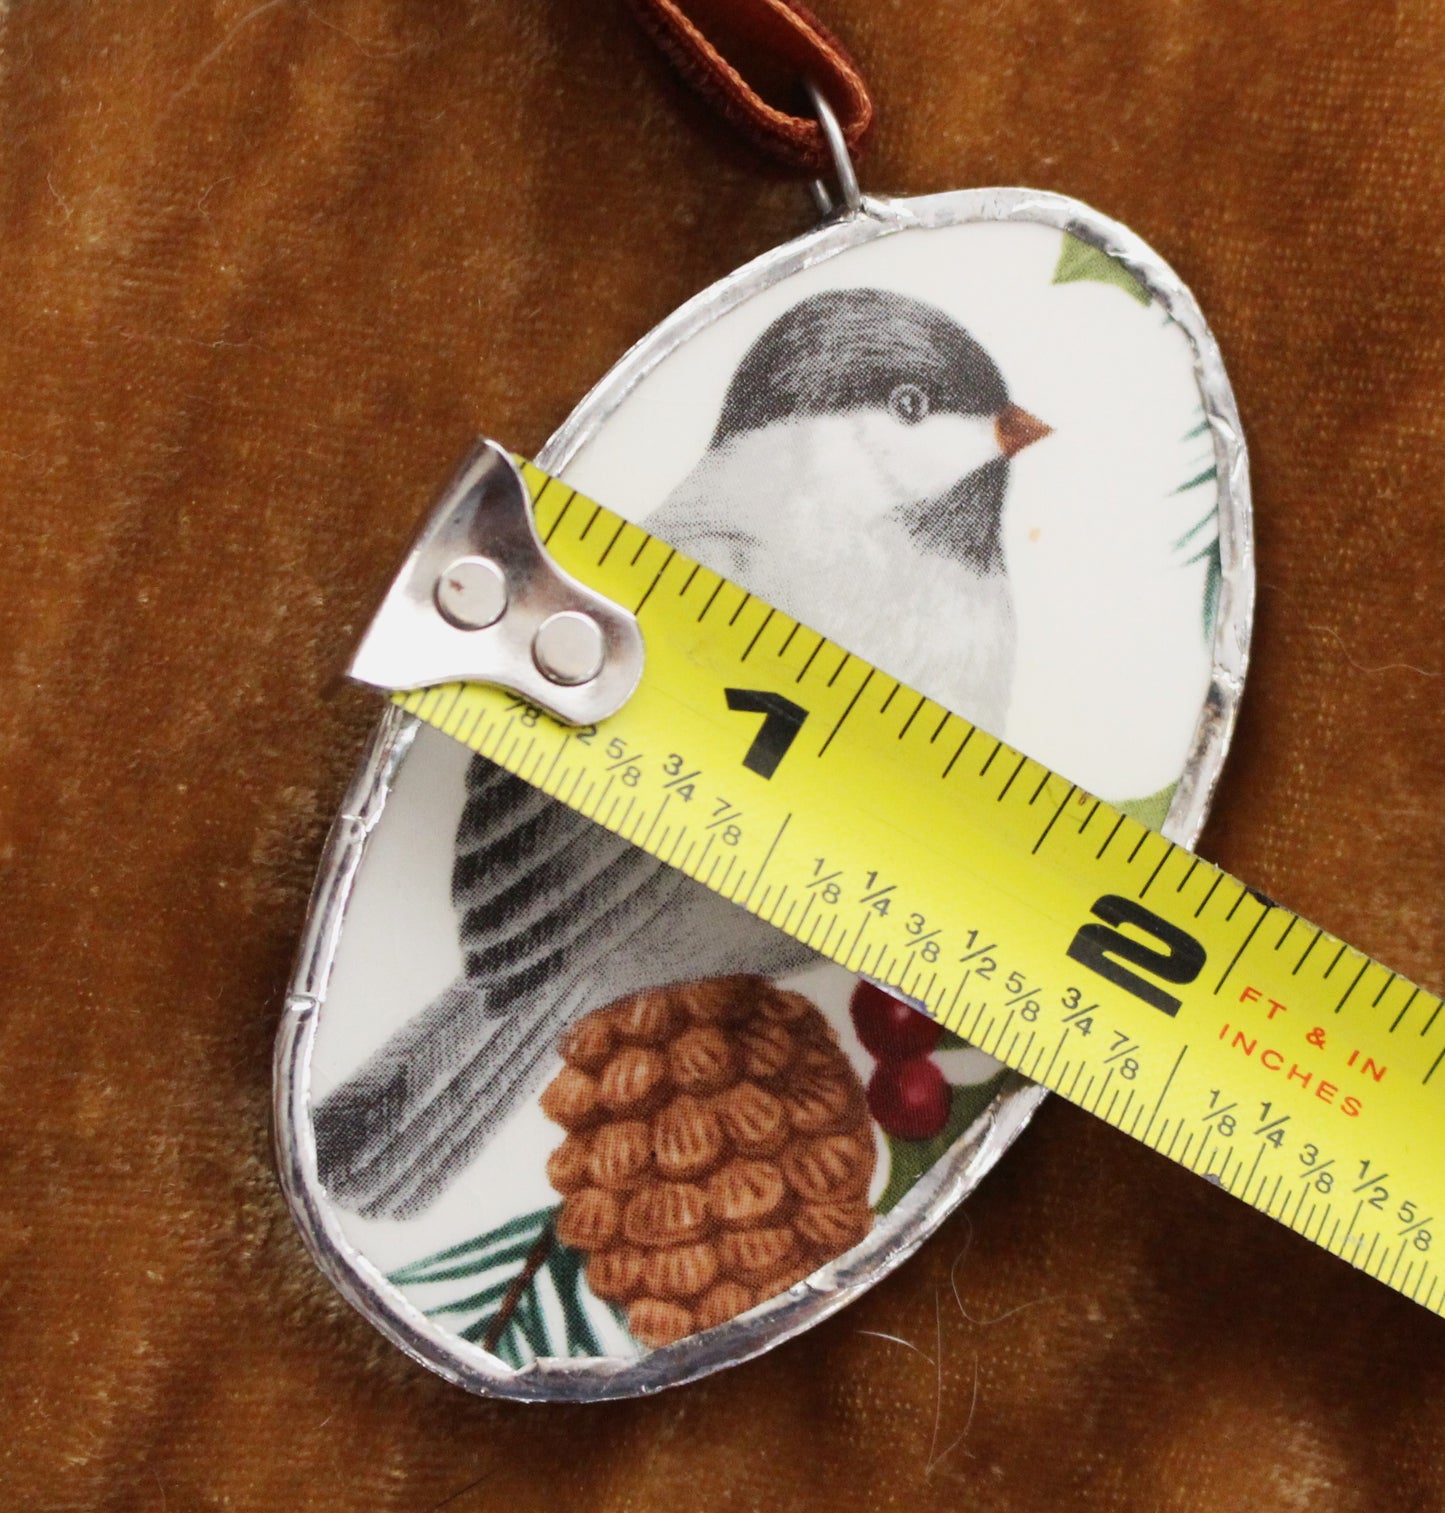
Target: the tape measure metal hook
(478, 598)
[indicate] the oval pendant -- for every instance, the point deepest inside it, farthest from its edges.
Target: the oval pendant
(564, 1124)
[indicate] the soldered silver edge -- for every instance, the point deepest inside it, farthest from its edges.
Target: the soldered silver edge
(949, 1181)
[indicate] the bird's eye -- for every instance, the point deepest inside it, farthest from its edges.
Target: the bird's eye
(908, 403)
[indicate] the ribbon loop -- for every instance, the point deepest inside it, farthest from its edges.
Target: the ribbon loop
(766, 32)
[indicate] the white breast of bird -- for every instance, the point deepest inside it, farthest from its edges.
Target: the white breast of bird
(808, 514)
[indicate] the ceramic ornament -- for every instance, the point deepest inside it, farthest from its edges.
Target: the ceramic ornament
(562, 1122)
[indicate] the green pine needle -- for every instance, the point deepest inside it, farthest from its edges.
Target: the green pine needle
(1207, 476)
(473, 1301)
(529, 1225)
(484, 1253)
(503, 1252)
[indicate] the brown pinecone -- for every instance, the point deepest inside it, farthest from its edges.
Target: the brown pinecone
(718, 1150)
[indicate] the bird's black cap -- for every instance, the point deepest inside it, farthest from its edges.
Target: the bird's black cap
(850, 349)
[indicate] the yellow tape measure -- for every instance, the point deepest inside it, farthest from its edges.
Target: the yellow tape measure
(1066, 939)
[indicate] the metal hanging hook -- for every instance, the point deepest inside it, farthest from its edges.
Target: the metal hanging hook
(850, 196)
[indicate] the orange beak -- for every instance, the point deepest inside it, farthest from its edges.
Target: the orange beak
(1017, 429)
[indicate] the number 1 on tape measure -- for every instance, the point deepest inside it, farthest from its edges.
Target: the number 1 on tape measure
(1068, 940)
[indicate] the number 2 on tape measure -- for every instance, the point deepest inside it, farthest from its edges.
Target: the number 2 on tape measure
(1104, 949)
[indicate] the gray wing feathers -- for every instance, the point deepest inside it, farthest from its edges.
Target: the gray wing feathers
(545, 896)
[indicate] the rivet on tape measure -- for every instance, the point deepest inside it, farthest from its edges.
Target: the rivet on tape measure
(1068, 940)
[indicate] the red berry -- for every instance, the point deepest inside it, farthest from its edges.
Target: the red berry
(890, 1028)
(910, 1099)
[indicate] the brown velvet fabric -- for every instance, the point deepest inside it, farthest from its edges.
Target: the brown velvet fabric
(264, 269)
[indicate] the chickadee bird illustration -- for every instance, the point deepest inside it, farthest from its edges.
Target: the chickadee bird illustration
(857, 480)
